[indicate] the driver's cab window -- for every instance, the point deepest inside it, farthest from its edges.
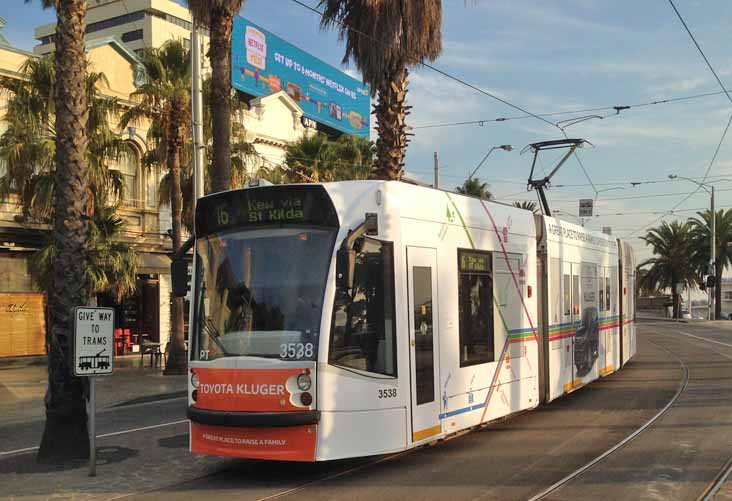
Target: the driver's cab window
(363, 332)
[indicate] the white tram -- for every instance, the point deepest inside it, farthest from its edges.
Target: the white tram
(369, 317)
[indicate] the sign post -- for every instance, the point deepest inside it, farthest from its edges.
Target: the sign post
(585, 207)
(93, 356)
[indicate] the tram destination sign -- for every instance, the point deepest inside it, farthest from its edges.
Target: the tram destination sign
(93, 341)
(474, 262)
(266, 206)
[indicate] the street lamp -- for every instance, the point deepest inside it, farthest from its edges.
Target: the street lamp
(713, 236)
(504, 147)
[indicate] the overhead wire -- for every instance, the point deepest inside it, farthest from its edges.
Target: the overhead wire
(704, 56)
(528, 114)
(438, 70)
(724, 133)
(573, 112)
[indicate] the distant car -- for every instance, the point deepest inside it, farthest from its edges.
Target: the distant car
(685, 314)
(729, 316)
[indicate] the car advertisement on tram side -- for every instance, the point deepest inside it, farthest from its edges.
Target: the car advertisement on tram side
(263, 63)
(227, 392)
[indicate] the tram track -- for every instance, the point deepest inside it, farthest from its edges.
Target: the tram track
(587, 466)
(554, 487)
(713, 487)
(719, 480)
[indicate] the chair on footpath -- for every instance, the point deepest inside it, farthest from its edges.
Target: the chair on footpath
(118, 342)
(127, 337)
(152, 349)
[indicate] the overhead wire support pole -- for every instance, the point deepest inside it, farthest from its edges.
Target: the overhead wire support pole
(197, 112)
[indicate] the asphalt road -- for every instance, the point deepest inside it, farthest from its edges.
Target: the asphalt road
(675, 458)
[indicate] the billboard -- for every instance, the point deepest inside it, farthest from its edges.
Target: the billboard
(262, 63)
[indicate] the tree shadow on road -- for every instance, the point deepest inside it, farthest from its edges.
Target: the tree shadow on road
(26, 463)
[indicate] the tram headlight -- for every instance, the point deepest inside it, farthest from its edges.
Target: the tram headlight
(194, 380)
(304, 382)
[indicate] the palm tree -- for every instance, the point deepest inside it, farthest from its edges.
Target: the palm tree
(310, 159)
(355, 157)
(165, 100)
(384, 39)
(112, 265)
(244, 161)
(28, 146)
(218, 16)
(671, 263)
(474, 188)
(526, 205)
(65, 434)
(700, 236)
(317, 159)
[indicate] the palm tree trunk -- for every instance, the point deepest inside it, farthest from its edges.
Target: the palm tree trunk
(220, 56)
(676, 304)
(391, 112)
(65, 434)
(176, 363)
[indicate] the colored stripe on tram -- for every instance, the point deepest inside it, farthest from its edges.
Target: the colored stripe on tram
(514, 336)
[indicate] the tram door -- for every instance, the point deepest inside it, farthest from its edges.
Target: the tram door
(423, 342)
(576, 316)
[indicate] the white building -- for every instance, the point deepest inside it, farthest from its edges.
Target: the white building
(138, 24)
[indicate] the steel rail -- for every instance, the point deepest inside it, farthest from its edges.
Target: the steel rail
(579, 471)
(722, 475)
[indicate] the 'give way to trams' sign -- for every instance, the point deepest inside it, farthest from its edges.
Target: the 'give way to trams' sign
(93, 341)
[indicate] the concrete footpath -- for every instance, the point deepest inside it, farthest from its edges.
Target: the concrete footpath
(23, 383)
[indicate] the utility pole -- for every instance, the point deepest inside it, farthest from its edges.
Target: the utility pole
(712, 267)
(437, 173)
(713, 240)
(197, 112)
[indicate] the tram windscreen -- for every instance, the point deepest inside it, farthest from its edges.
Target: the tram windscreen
(260, 292)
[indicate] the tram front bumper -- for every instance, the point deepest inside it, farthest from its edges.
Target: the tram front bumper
(283, 436)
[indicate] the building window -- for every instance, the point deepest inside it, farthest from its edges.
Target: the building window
(131, 36)
(475, 293)
(151, 182)
(115, 21)
(104, 24)
(172, 19)
(728, 295)
(127, 165)
(363, 331)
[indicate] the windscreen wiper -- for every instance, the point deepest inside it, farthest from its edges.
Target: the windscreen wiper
(208, 326)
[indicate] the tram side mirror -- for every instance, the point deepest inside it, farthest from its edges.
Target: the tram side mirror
(179, 277)
(345, 268)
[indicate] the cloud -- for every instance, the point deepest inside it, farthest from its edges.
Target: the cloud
(682, 85)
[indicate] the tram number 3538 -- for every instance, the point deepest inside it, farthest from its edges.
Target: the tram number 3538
(387, 393)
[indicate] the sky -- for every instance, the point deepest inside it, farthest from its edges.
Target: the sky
(551, 56)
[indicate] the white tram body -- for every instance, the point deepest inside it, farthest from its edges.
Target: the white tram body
(452, 312)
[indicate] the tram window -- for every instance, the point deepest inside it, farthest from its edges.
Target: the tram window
(607, 294)
(475, 292)
(613, 287)
(363, 332)
(601, 296)
(567, 301)
(555, 289)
